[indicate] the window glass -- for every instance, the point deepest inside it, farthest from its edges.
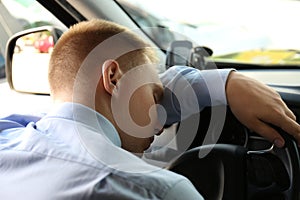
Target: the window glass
(18, 15)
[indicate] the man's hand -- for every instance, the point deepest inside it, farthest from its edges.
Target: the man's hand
(256, 105)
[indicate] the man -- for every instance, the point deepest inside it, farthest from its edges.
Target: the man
(74, 152)
(104, 86)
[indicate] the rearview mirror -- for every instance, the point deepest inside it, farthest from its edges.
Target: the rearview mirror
(27, 58)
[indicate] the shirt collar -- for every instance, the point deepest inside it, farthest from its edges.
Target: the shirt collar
(107, 151)
(87, 116)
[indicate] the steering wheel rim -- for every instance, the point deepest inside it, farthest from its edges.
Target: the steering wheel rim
(227, 171)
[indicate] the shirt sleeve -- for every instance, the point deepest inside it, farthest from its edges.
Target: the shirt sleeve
(118, 187)
(183, 190)
(189, 90)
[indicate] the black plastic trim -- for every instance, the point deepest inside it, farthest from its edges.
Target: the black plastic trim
(63, 11)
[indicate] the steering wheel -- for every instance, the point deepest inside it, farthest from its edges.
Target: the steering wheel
(253, 170)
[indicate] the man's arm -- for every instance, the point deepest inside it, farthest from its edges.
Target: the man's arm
(256, 105)
(188, 91)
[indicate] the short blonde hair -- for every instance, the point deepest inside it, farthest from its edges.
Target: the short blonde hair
(75, 45)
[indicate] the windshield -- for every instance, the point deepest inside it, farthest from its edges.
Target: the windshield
(242, 31)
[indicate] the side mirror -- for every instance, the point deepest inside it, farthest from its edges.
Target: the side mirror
(27, 58)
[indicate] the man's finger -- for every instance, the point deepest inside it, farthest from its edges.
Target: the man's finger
(269, 133)
(290, 114)
(286, 123)
(292, 127)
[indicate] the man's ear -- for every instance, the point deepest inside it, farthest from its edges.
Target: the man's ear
(111, 75)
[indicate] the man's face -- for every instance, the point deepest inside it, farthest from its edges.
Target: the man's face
(140, 122)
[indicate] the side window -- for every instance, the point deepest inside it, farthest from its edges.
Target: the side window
(18, 15)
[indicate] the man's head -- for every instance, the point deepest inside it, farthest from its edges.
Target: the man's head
(89, 65)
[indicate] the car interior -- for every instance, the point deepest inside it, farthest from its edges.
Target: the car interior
(235, 163)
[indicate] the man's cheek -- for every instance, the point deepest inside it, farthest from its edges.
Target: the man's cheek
(139, 113)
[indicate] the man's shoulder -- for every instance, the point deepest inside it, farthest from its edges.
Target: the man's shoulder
(17, 120)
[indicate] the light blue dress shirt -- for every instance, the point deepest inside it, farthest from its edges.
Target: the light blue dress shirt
(75, 153)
